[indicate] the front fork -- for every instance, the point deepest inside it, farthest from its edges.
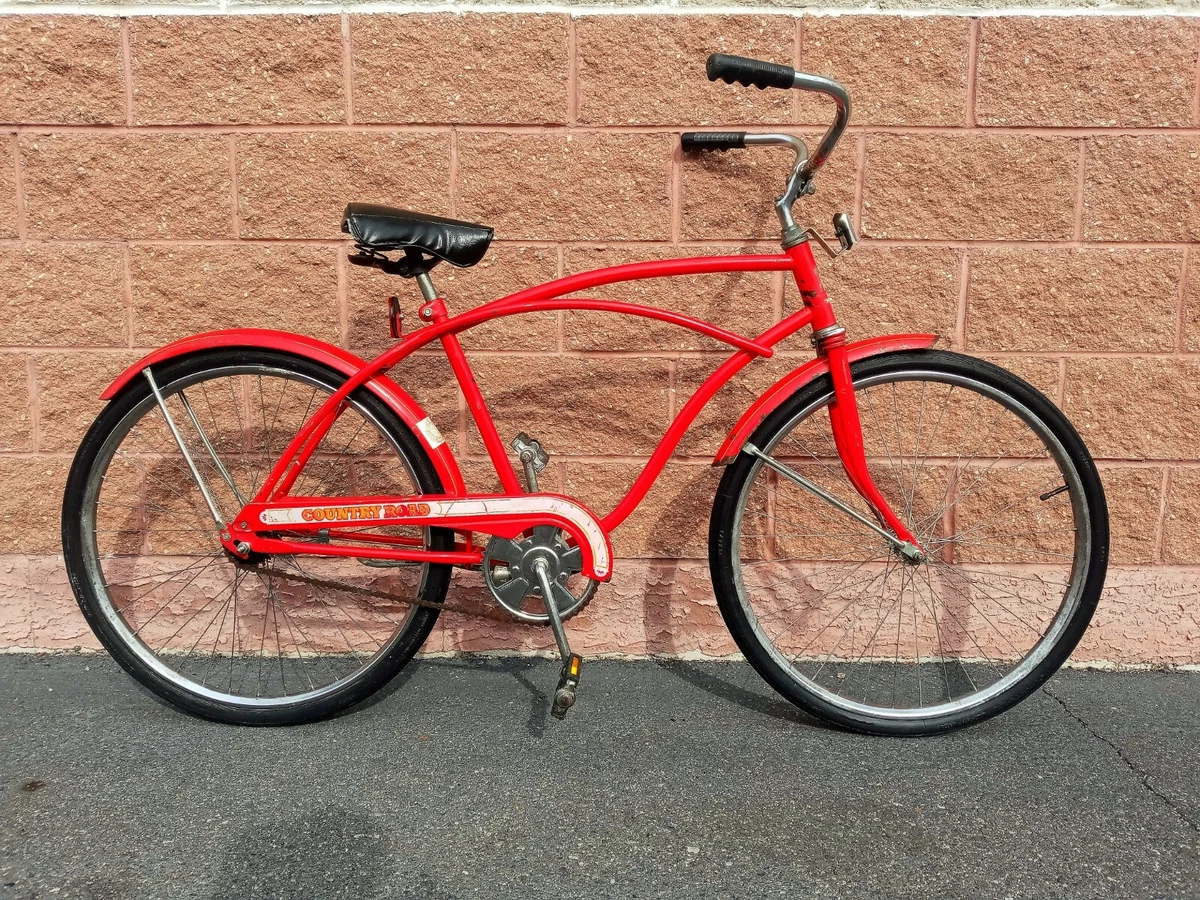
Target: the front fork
(829, 339)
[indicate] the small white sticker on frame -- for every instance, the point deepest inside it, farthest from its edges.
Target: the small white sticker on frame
(430, 432)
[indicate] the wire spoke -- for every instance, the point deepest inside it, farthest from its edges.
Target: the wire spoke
(908, 634)
(200, 617)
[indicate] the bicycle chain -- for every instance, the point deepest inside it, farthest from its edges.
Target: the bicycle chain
(343, 586)
(482, 612)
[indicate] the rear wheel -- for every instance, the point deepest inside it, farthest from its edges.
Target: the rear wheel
(999, 490)
(277, 640)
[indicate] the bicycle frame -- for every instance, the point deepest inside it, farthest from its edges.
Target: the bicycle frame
(515, 511)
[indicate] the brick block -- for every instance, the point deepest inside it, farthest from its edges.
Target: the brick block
(584, 406)
(899, 71)
(143, 186)
(567, 187)
(1135, 408)
(15, 396)
(181, 290)
(68, 388)
(732, 195)
(57, 622)
(726, 407)
(1147, 615)
(975, 187)
(1181, 535)
(1040, 372)
(8, 187)
(1141, 188)
(31, 490)
(297, 185)
(1091, 72)
(453, 68)
(63, 295)
(741, 302)
(649, 70)
(1191, 309)
(61, 69)
(672, 520)
(480, 476)
(1134, 498)
(430, 380)
(237, 69)
(16, 612)
(1021, 299)
(886, 290)
(507, 268)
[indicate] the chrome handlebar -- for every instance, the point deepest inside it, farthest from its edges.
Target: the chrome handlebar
(753, 72)
(827, 86)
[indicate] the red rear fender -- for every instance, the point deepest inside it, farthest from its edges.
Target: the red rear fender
(397, 399)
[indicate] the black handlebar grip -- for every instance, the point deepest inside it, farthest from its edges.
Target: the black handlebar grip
(749, 72)
(713, 140)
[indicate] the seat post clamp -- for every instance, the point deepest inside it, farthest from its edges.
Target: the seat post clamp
(432, 310)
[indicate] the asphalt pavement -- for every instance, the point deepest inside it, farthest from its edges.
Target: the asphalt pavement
(669, 779)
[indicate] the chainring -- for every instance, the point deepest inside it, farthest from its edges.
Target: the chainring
(509, 574)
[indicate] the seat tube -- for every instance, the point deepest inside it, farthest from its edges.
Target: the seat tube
(435, 311)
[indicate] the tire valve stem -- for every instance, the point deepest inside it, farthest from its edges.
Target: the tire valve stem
(1054, 493)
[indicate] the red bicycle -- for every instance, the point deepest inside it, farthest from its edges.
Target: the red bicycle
(261, 527)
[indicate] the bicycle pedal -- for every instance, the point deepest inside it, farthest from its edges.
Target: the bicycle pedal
(568, 686)
(533, 459)
(529, 449)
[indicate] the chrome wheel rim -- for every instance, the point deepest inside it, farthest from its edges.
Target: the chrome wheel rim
(319, 661)
(937, 573)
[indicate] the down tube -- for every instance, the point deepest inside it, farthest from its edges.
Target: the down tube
(684, 418)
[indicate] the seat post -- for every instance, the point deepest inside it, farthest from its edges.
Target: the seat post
(425, 283)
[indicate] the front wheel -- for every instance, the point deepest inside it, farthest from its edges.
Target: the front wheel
(998, 489)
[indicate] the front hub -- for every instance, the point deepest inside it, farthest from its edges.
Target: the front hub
(910, 554)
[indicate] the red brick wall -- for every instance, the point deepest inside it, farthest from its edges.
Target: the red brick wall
(1027, 187)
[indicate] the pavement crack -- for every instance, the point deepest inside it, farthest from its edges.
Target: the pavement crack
(1137, 771)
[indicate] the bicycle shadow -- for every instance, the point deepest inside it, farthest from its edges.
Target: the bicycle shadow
(663, 641)
(519, 668)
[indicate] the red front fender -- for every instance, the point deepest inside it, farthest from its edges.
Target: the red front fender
(397, 399)
(793, 381)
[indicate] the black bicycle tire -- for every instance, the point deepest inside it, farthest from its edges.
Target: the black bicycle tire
(405, 643)
(730, 490)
